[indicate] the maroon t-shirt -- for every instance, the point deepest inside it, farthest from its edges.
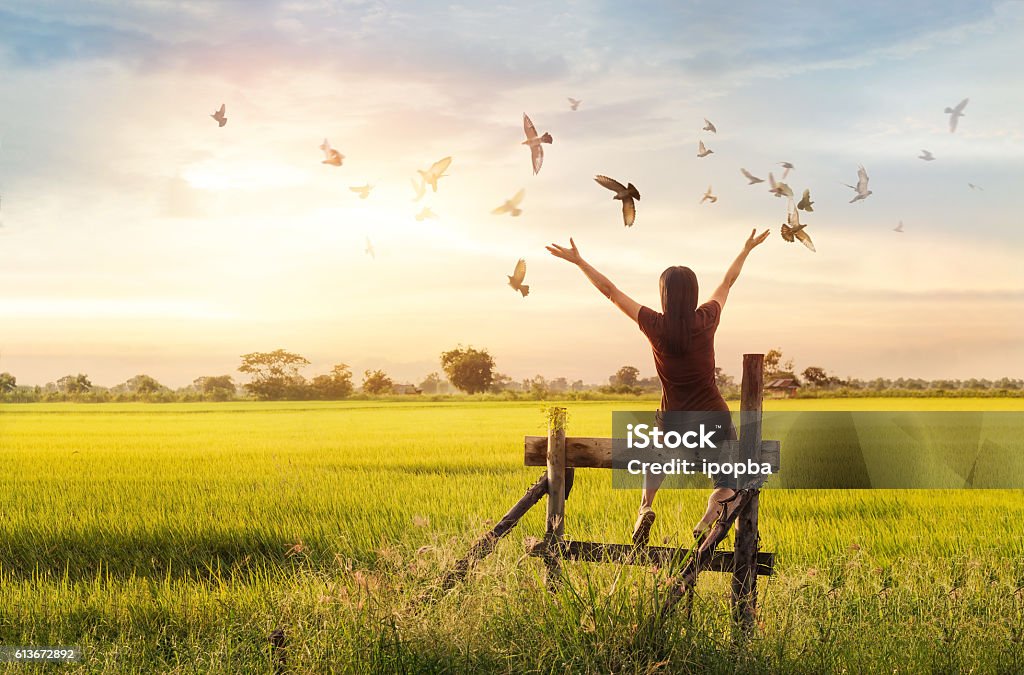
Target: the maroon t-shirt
(688, 379)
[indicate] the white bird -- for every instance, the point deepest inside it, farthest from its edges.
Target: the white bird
(926, 156)
(425, 213)
(511, 205)
(708, 197)
(419, 188)
(708, 126)
(898, 228)
(862, 185)
(362, 190)
(787, 168)
(779, 189)
(751, 178)
(626, 193)
(516, 279)
(369, 249)
(436, 171)
(703, 151)
(955, 114)
(975, 187)
(793, 229)
(534, 141)
(219, 116)
(331, 156)
(574, 103)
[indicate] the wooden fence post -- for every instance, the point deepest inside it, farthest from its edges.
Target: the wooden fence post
(744, 578)
(555, 528)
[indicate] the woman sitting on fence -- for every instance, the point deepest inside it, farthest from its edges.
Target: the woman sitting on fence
(682, 338)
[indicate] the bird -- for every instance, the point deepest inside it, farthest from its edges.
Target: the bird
(419, 188)
(703, 151)
(574, 103)
(516, 280)
(862, 185)
(331, 156)
(926, 156)
(436, 171)
(708, 126)
(805, 202)
(534, 141)
(751, 178)
(794, 229)
(955, 114)
(708, 197)
(425, 213)
(511, 205)
(627, 194)
(779, 189)
(787, 168)
(898, 228)
(362, 190)
(369, 249)
(219, 116)
(975, 187)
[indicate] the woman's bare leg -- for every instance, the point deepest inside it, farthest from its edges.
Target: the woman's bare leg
(645, 518)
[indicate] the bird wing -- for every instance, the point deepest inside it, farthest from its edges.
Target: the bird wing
(709, 126)
(771, 181)
(518, 197)
(531, 131)
(610, 183)
(700, 148)
(360, 189)
(326, 147)
(223, 109)
(960, 107)
(751, 176)
(628, 212)
(793, 217)
(537, 157)
(440, 166)
(504, 208)
(804, 238)
(862, 179)
(520, 272)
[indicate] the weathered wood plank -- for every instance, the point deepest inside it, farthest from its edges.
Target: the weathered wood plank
(596, 453)
(596, 552)
(744, 578)
(556, 466)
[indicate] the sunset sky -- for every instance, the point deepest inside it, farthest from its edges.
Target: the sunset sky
(137, 236)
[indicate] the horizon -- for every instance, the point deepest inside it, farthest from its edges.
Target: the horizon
(137, 236)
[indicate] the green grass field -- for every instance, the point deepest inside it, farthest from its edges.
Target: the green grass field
(175, 538)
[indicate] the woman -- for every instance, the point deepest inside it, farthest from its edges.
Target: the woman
(682, 338)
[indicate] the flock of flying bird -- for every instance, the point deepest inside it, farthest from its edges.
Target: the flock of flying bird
(792, 230)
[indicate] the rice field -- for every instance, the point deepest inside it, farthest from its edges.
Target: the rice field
(176, 538)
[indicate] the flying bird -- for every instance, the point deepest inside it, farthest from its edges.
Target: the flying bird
(955, 114)
(331, 156)
(627, 194)
(787, 168)
(534, 141)
(436, 171)
(926, 156)
(708, 197)
(805, 202)
(708, 126)
(219, 116)
(516, 280)
(419, 188)
(751, 178)
(975, 187)
(369, 249)
(511, 205)
(898, 228)
(779, 189)
(793, 229)
(862, 185)
(703, 151)
(425, 213)
(362, 190)
(574, 103)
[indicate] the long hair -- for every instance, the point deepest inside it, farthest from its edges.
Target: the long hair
(678, 304)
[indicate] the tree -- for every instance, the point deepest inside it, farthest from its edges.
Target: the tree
(335, 385)
(538, 387)
(626, 376)
(471, 370)
(431, 383)
(74, 384)
(723, 380)
(771, 362)
(377, 382)
(143, 385)
(816, 376)
(216, 387)
(500, 382)
(7, 382)
(275, 375)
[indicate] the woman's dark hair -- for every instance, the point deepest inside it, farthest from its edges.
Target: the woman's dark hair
(678, 304)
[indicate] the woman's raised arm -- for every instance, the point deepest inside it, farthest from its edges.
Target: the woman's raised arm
(733, 273)
(628, 305)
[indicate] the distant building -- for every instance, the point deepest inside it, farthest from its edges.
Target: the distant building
(403, 389)
(783, 387)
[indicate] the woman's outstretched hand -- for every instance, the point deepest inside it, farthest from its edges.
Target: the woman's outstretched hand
(572, 254)
(755, 240)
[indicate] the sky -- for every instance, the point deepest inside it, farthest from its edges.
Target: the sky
(137, 236)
